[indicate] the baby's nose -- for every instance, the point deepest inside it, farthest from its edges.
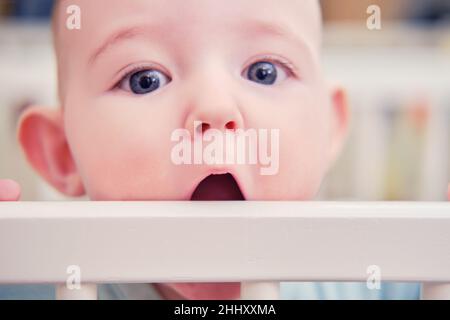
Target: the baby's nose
(214, 111)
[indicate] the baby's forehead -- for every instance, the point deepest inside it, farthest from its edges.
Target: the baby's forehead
(301, 16)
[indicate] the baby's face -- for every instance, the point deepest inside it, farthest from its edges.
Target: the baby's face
(138, 72)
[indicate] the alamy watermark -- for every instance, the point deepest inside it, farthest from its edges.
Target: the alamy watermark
(374, 19)
(73, 21)
(73, 281)
(215, 147)
(374, 280)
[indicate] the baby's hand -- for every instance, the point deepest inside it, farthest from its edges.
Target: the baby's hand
(9, 190)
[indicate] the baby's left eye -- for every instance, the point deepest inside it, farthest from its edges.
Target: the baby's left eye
(144, 81)
(266, 73)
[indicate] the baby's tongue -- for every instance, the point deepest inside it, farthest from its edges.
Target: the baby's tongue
(203, 291)
(219, 187)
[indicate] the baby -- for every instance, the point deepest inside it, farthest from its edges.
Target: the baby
(136, 72)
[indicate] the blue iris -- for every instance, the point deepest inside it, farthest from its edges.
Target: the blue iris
(263, 73)
(146, 81)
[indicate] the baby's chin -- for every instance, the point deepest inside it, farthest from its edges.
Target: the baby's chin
(201, 291)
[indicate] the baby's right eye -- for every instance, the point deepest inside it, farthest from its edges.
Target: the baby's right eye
(144, 81)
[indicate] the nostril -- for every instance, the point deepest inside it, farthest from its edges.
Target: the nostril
(205, 126)
(201, 127)
(231, 125)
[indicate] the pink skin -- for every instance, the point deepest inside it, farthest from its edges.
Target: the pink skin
(9, 190)
(111, 144)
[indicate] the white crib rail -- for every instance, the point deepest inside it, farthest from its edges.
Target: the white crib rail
(256, 243)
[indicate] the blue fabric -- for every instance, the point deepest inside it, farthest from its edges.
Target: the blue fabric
(348, 291)
(33, 9)
(27, 292)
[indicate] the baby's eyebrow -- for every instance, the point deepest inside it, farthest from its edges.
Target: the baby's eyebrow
(254, 28)
(120, 35)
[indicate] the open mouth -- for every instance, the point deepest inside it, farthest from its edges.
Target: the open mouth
(218, 187)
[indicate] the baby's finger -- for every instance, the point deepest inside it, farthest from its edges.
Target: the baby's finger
(9, 190)
(448, 192)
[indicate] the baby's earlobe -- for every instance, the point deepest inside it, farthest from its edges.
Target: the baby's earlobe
(74, 186)
(340, 120)
(44, 143)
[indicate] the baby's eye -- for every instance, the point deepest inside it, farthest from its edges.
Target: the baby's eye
(145, 81)
(266, 73)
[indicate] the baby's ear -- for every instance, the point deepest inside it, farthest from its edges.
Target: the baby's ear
(43, 140)
(340, 120)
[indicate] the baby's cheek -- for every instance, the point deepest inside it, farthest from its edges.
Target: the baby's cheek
(302, 166)
(303, 157)
(112, 172)
(124, 161)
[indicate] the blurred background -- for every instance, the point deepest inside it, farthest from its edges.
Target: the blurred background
(398, 79)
